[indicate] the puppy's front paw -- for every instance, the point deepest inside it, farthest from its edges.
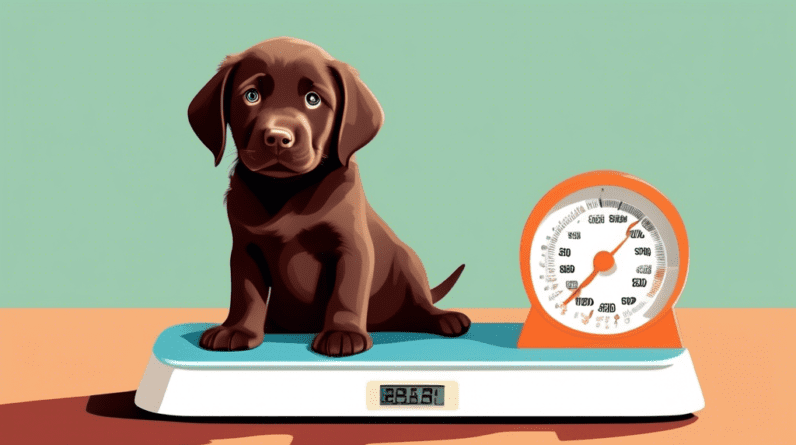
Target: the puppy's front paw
(341, 343)
(451, 324)
(223, 338)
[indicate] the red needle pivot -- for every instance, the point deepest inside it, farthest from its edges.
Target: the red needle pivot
(603, 262)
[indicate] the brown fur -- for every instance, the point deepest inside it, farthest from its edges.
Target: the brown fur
(309, 254)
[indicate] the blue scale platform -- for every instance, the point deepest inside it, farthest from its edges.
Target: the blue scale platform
(178, 346)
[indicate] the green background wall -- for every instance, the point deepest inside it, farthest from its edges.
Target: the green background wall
(109, 200)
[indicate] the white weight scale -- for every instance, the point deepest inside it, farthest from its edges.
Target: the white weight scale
(482, 373)
(603, 257)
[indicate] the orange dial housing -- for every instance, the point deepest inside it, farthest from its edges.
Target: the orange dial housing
(541, 330)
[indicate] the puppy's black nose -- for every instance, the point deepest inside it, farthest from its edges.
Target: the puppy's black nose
(279, 137)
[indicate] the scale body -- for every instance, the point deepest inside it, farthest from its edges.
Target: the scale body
(631, 364)
(483, 374)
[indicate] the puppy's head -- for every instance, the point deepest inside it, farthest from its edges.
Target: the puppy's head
(289, 105)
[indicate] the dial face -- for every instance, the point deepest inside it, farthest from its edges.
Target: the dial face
(604, 261)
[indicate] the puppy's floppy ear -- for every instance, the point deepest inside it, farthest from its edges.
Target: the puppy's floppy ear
(361, 115)
(207, 112)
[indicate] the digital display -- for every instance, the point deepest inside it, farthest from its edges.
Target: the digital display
(420, 395)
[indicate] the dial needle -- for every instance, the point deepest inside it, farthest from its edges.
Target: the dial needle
(603, 262)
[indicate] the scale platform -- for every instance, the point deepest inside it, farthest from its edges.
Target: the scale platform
(481, 373)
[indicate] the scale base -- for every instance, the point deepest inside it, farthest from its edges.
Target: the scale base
(483, 373)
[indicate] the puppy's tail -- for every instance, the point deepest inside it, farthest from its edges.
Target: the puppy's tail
(440, 291)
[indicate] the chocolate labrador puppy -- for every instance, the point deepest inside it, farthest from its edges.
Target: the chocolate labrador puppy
(309, 254)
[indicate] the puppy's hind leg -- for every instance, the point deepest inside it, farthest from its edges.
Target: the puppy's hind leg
(419, 313)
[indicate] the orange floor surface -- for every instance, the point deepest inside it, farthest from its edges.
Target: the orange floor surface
(69, 376)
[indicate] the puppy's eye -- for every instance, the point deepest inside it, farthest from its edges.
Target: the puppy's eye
(252, 95)
(313, 100)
